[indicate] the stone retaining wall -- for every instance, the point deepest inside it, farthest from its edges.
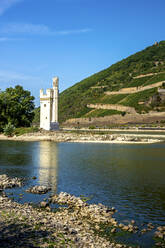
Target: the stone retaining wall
(117, 107)
(116, 119)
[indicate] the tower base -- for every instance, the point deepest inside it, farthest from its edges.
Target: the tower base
(54, 126)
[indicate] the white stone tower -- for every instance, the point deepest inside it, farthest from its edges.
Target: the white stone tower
(49, 107)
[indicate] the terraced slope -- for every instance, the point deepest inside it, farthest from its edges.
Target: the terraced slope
(137, 71)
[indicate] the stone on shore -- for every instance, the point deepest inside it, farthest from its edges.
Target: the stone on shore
(8, 182)
(44, 204)
(38, 190)
(26, 226)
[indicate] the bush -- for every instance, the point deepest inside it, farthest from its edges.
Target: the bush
(9, 130)
(92, 127)
(123, 113)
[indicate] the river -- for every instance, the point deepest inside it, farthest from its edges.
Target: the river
(130, 177)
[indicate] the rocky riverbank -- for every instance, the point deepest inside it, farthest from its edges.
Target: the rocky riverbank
(25, 226)
(64, 136)
(75, 223)
(71, 226)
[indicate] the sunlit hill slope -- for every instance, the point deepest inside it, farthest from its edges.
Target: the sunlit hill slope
(133, 84)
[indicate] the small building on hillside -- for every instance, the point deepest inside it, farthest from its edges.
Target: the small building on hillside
(49, 107)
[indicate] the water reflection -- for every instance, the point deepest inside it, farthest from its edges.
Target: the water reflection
(48, 164)
(14, 153)
(16, 158)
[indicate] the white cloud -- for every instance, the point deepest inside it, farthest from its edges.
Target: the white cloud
(78, 31)
(2, 39)
(6, 4)
(32, 29)
(18, 28)
(10, 77)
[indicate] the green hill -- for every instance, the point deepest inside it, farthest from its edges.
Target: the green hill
(124, 74)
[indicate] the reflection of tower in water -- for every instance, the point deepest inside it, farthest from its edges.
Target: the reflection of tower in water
(48, 170)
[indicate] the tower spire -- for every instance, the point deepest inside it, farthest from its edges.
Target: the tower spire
(55, 82)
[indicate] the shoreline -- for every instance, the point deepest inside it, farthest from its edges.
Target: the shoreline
(88, 138)
(72, 224)
(117, 130)
(75, 223)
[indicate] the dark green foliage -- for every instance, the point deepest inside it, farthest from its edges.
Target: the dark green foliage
(16, 107)
(138, 82)
(92, 127)
(163, 86)
(123, 113)
(132, 100)
(74, 100)
(36, 120)
(155, 79)
(82, 112)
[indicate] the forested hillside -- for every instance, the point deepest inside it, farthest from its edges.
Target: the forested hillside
(139, 70)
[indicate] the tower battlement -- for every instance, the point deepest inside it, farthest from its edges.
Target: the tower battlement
(49, 93)
(49, 107)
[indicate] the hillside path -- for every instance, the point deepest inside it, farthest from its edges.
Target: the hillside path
(134, 89)
(149, 74)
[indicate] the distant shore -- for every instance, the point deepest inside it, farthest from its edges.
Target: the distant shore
(66, 136)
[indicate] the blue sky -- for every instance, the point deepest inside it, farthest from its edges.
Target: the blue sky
(72, 39)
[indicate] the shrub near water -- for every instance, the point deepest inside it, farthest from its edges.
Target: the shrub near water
(9, 130)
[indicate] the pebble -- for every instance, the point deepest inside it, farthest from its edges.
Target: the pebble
(113, 230)
(44, 204)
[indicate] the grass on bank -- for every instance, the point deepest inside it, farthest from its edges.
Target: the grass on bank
(23, 130)
(19, 131)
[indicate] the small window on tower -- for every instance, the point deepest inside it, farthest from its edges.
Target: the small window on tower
(46, 118)
(44, 105)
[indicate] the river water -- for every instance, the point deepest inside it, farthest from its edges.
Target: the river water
(130, 177)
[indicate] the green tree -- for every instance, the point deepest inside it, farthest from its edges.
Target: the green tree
(16, 107)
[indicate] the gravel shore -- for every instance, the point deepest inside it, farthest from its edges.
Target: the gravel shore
(22, 225)
(86, 137)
